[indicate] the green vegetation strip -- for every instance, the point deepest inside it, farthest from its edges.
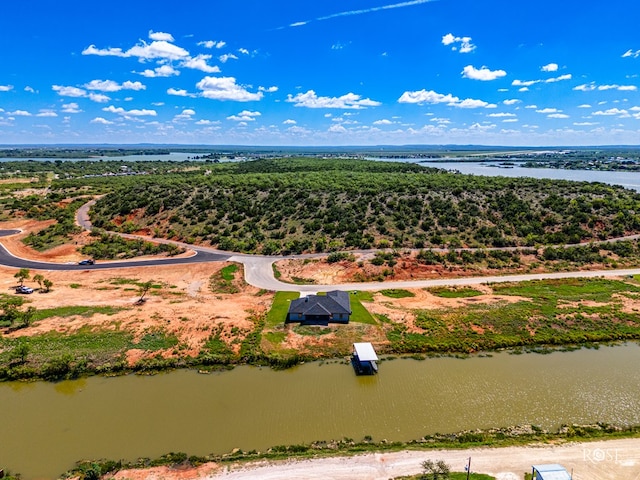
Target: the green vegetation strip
(551, 312)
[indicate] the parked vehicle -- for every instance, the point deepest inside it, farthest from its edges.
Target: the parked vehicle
(88, 261)
(24, 290)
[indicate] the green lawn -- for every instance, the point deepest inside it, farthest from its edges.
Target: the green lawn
(397, 293)
(280, 307)
(359, 314)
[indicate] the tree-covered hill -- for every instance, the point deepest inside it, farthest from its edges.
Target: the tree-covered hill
(299, 205)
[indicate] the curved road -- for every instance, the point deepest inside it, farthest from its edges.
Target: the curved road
(259, 268)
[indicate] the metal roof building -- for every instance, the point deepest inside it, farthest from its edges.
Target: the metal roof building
(550, 472)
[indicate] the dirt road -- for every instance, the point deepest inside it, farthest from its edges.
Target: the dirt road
(602, 460)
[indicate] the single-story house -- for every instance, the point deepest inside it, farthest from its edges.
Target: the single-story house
(550, 472)
(334, 307)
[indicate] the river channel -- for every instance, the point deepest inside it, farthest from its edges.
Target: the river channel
(46, 427)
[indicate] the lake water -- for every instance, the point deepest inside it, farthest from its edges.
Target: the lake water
(46, 427)
(626, 179)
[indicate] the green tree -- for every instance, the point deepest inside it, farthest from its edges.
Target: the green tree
(26, 317)
(435, 470)
(20, 351)
(9, 308)
(39, 278)
(143, 289)
(47, 285)
(22, 275)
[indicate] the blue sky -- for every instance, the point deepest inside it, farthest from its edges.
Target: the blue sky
(256, 72)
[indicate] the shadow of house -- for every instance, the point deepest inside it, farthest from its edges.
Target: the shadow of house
(334, 307)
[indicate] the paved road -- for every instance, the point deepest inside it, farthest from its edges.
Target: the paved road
(9, 260)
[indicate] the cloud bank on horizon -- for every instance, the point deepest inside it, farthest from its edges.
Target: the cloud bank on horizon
(375, 72)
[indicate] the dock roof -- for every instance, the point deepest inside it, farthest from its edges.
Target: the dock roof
(365, 352)
(551, 472)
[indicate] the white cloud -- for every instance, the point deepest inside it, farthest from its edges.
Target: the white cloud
(207, 122)
(424, 96)
(199, 62)
(268, 89)
(19, 113)
(384, 121)
(548, 110)
(98, 97)
(472, 103)
(161, 36)
(558, 115)
(289, 122)
(528, 83)
(46, 113)
(510, 120)
(631, 53)
(337, 129)
(483, 73)
(161, 71)
(102, 121)
(585, 124)
(347, 101)
(76, 92)
(558, 79)
(511, 101)
(531, 106)
(611, 112)
(71, 108)
(186, 114)
(178, 92)
(501, 114)
(584, 105)
(523, 89)
(226, 88)
(226, 57)
(29, 89)
(243, 51)
(103, 52)
(6, 88)
(158, 49)
(461, 44)
(585, 87)
(622, 88)
(111, 86)
(588, 87)
(212, 44)
(134, 113)
(550, 67)
(245, 116)
(69, 91)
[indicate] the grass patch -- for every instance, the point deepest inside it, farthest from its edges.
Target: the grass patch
(312, 330)
(158, 340)
(397, 293)
(280, 307)
(451, 476)
(84, 311)
(225, 280)
(74, 285)
(275, 337)
(124, 281)
(454, 292)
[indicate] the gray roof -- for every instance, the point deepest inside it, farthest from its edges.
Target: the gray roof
(334, 302)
